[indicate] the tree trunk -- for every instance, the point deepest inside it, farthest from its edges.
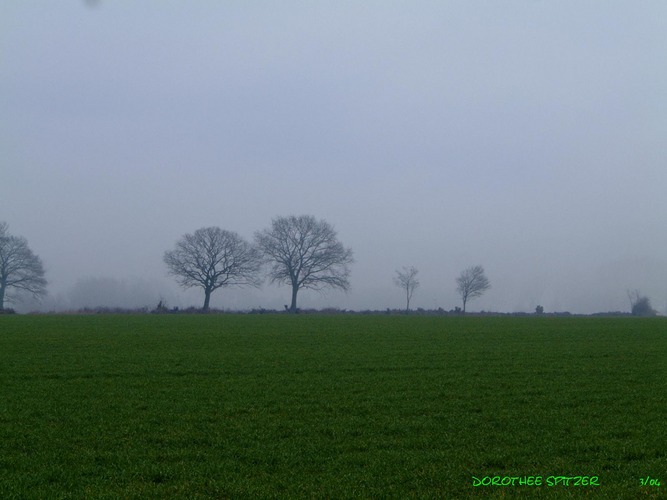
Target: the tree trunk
(407, 306)
(295, 290)
(2, 298)
(464, 306)
(207, 299)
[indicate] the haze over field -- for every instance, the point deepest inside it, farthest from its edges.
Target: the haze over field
(525, 136)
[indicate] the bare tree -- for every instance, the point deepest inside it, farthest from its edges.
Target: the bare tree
(212, 258)
(20, 269)
(472, 283)
(407, 280)
(305, 253)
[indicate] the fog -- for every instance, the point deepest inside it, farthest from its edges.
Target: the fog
(525, 136)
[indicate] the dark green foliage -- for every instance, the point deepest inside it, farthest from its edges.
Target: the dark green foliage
(271, 406)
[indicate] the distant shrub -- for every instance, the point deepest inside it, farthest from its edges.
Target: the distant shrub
(199, 310)
(161, 308)
(7, 310)
(261, 310)
(642, 307)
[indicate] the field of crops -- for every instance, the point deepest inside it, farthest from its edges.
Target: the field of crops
(260, 406)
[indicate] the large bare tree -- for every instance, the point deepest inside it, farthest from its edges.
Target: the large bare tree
(212, 258)
(472, 283)
(20, 269)
(407, 280)
(305, 253)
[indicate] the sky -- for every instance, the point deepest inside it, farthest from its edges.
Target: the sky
(525, 136)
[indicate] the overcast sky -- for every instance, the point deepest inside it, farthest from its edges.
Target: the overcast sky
(526, 136)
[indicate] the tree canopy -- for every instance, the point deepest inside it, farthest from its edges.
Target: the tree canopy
(471, 283)
(304, 252)
(21, 271)
(407, 280)
(211, 258)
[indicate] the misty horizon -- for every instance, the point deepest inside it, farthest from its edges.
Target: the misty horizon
(526, 137)
(135, 293)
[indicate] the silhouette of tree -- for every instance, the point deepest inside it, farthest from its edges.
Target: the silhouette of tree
(407, 280)
(212, 258)
(305, 253)
(472, 283)
(21, 271)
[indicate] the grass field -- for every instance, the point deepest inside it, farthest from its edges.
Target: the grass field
(242, 406)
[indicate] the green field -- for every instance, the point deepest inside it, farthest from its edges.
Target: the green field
(243, 406)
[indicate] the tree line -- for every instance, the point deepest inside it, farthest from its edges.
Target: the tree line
(300, 252)
(297, 251)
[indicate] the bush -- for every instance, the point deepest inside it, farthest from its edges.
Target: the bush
(642, 307)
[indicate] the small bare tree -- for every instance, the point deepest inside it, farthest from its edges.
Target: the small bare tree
(20, 269)
(212, 258)
(472, 283)
(407, 280)
(305, 253)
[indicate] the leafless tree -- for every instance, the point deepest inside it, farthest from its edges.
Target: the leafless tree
(212, 258)
(472, 283)
(20, 269)
(407, 280)
(305, 253)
